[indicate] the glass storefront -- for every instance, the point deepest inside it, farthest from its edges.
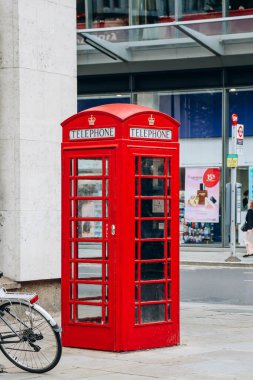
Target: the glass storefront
(115, 13)
(202, 195)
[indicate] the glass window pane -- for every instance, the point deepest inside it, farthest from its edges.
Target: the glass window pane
(152, 292)
(169, 249)
(72, 209)
(152, 208)
(136, 186)
(152, 313)
(152, 271)
(89, 313)
(89, 292)
(87, 166)
(136, 315)
(152, 186)
(136, 208)
(152, 250)
(89, 187)
(72, 166)
(169, 290)
(72, 189)
(89, 209)
(136, 251)
(90, 271)
(136, 165)
(89, 250)
(89, 229)
(168, 167)
(169, 270)
(136, 229)
(169, 311)
(152, 229)
(152, 166)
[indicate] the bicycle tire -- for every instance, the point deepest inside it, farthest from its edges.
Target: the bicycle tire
(39, 348)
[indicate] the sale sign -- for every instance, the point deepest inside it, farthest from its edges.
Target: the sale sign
(202, 187)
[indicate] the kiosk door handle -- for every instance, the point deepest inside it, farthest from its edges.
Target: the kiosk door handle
(113, 229)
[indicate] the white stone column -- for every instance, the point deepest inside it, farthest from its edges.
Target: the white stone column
(38, 91)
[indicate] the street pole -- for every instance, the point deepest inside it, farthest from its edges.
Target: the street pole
(233, 257)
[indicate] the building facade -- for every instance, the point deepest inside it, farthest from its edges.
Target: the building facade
(38, 91)
(192, 60)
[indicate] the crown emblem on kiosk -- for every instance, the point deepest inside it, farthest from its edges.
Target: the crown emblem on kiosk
(151, 120)
(91, 120)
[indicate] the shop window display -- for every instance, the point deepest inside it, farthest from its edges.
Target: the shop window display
(200, 219)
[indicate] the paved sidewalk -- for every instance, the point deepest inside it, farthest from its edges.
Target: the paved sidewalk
(189, 256)
(216, 343)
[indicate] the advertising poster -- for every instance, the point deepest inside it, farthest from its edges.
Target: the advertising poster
(202, 187)
(250, 182)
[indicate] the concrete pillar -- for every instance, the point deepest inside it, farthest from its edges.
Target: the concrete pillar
(38, 91)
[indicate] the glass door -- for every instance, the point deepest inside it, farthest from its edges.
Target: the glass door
(88, 243)
(152, 239)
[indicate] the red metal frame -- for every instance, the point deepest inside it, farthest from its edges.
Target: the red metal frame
(135, 282)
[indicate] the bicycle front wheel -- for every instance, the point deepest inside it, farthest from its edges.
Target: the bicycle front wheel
(27, 339)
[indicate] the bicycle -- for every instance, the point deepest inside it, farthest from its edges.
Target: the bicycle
(29, 336)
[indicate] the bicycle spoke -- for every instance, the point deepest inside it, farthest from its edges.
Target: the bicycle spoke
(39, 348)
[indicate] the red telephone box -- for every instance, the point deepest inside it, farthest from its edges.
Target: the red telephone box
(120, 229)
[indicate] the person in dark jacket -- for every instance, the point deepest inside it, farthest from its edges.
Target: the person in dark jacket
(249, 233)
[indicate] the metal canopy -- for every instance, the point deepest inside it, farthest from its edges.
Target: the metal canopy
(211, 34)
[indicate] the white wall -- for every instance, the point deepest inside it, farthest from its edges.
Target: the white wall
(38, 91)
(201, 152)
(208, 152)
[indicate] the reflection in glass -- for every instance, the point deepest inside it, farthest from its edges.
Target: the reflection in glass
(136, 165)
(72, 250)
(169, 289)
(152, 271)
(72, 229)
(72, 209)
(152, 208)
(89, 187)
(72, 163)
(136, 251)
(152, 229)
(89, 250)
(152, 250)
(169, 270)
(89, 271)
(169, 249)
(87, 166)
(136, 229)
(168, 167)
(169, 311)
(136, 315)
(89, 313)
(89, 209)
(89, 292)
(136, 208)
(152, 292)
(72, 189)
(152, 166)
(152, 313)
(152, 186)
(136, 186)
(90, 229)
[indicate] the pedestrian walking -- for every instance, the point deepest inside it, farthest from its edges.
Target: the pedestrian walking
(249, 230)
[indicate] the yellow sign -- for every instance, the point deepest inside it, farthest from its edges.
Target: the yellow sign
(232, 160)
